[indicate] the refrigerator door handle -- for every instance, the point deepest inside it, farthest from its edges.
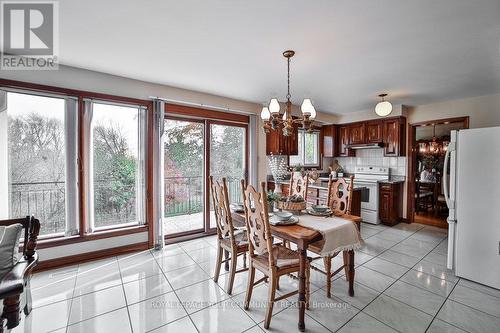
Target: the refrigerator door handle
(450, 203)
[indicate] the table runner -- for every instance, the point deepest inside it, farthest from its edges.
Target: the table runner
(339, 234)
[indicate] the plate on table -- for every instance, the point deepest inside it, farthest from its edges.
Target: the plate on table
(311, 211)
(274, 221)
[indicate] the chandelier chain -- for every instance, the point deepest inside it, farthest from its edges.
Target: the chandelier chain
(288, 78)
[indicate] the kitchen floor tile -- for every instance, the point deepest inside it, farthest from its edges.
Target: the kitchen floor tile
(410, 250)
(428, 282)
(362, 294)
(439, 326)
(419, 298)
(480, 287)
(53, 292)
(131, 271)
(436, 270)
(222, 317)
(201, 295)
(94, 304)
(363, 323)
(183, 325)
(172, 263)
(399, 258)
(436, 258)
(477, 300)
(155, 312)
(467, 318)
(398, 315)
(38, 320)
(372, 279)
(152, 286)
(204, 254)
(331, 312)
(258, 303)
(115, 321)
(286, 322)
(186, 276)
(386, 267)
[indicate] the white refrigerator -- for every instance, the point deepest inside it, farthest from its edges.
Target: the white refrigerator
(472, 193)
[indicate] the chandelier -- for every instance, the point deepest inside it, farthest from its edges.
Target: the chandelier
(274, 120)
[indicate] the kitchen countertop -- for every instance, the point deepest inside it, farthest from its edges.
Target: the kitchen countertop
(394, 181)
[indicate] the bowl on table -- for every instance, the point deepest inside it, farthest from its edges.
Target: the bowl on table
(283, 216)
(320, 208)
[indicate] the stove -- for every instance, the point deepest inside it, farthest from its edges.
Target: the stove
(368, 177)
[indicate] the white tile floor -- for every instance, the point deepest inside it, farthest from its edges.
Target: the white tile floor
(401, 285)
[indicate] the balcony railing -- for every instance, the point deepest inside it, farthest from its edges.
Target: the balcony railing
(184, 195)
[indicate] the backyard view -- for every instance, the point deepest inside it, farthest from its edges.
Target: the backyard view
(37, 167)
(184, 160)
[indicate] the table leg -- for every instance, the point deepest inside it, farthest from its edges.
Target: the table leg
(302, 288)
(351, 273)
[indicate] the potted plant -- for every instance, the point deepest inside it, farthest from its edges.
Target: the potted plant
(272, 197)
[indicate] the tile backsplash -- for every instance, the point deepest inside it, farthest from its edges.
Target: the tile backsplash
(374, 157)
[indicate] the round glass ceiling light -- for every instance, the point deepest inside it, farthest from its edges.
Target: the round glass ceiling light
(383, 108)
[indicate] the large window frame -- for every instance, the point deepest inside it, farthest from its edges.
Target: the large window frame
(79, 164)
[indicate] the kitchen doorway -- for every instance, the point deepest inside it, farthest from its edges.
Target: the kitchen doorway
(428, 142)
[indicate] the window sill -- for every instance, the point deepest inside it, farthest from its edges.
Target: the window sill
(100, 234)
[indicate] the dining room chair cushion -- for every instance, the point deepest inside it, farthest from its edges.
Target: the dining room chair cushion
(9, 246)
(283, 258)
(240, 237)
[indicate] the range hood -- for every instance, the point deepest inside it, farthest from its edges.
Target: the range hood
(366, 145)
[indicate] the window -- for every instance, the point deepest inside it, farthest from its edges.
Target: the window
(309, 154)
(117, 165)
(33, 154)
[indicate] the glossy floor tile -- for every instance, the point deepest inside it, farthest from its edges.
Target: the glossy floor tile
(401, 285)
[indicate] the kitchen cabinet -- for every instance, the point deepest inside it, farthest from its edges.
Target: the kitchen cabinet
(374, 132)
(343, 141)
(278, 144)
(357, 133)
(394, 136)
(390, 203)
(329, 140)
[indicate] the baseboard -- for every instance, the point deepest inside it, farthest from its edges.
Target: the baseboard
(89, 256)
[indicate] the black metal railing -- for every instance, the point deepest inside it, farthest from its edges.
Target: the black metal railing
(184, 195)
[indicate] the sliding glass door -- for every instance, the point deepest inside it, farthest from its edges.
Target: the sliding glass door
(228, 158)
(194, 149)
(184, 164)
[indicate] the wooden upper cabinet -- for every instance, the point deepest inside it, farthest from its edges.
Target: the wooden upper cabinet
(374, 132)
(343, 134)
(277, 144)
(394, 136)
(329, 140)
(357, 133)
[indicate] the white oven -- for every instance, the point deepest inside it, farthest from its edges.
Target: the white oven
(367, 178)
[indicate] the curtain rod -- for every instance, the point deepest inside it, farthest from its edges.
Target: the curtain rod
(207, 106)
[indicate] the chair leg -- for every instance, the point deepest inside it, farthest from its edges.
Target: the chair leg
(345, 254)
(250, 282)
(226, 264)
(327, 261)
(308, 284)
(27, 291)
(244, 260)
(218, 263)
(11, 311)
(270, 301)
(232, 271)
(351, 273)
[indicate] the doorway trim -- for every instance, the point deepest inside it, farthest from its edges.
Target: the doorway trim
(412, 155)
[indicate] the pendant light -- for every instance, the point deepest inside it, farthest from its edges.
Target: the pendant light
(383, 108)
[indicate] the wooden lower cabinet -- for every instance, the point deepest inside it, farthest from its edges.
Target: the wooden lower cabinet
(390, 203)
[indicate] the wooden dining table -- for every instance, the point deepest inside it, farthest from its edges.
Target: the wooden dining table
(302, 237)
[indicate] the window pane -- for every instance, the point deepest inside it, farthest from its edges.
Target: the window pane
(311, 144)
(298, 159)
(115, 131)
(35, 171)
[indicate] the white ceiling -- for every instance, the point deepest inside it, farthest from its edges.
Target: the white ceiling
(347, 52)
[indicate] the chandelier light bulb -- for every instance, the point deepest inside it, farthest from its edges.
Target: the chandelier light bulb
(265, 114)
(307, 108)
(274, 106)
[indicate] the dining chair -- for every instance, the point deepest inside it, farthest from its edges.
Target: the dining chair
(298, 185)
(229, 240)
(339, 200)
(273, 260)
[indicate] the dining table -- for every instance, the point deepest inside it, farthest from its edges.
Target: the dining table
(302, 237)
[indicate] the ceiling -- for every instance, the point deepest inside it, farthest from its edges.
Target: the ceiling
(347, 52)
